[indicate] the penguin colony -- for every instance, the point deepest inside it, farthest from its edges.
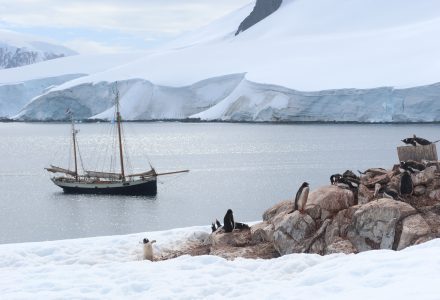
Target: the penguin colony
(347, 180)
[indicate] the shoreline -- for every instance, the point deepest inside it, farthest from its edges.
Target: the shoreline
(197, 121)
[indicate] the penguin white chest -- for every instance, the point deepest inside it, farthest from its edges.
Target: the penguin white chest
(302, 201)
(148, 251)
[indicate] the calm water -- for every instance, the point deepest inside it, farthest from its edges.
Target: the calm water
(246, 167)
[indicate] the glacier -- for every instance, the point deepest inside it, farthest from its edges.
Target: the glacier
(345, 61)
(234, 98)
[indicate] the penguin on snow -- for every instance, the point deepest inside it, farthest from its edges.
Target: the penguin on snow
(148, 249)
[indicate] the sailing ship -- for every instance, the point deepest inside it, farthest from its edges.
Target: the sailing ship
(99, 182)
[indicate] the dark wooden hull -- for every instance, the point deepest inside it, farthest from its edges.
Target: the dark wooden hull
(138, 188)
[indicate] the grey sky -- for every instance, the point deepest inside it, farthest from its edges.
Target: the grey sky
(111, 25)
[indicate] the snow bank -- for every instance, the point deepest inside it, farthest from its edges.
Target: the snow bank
(110, 267)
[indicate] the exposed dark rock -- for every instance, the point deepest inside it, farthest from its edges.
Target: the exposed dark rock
(17, 57)
(262, 9)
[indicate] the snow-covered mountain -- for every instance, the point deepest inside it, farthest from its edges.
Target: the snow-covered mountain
(302, 60)
(19, 50)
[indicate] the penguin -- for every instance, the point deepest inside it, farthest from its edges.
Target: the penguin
(301, 197)
(334, 179)
(215, 225)
(412, 166)
(390, 193)
(409, 141)
(148, 249)
(418, 141)
(228, 221)
(350, 174)
(377, 188)
(349, 182)
(421, 141)
(406, 184)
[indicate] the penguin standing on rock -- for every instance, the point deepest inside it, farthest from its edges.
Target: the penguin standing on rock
(406, 184)
(148, 249)
(230, 224)
(228, 221)
(301, 197)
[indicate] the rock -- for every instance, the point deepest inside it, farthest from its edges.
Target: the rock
(419, 190)
(381, 179)
(340, 246)
(291, 230)
(364, 194)
(262, 250)
(413, 227)
(435, 195)
(424, 177)
(262, 232)
(431, 214)
(235, 238)
(314, 211)
(262, 9)
(340, 224)
(424, 239)
(318, 247)
(435, 184)
(394, 183)
(330, 199)
(284, 206)
(373, 224)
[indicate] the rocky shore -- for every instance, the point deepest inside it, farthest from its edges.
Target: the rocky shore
(340, 219)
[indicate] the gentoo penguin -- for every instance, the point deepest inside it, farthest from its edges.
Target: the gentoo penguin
(301, 197)
(334, 179)
(409, 141)
(418, 141)
(377, 188)
(228, 221)
(406, 184)
(215, 225)
(148, 249)
(390, 193)
(350, 174)
(412, 166)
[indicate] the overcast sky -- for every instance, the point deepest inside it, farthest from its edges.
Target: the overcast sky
(111, 25)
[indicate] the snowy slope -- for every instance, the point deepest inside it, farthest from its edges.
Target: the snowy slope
(308, 45)
(366, 47)
(110, 268)
(18, 49)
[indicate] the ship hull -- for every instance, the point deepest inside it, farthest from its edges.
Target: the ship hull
(145, 187)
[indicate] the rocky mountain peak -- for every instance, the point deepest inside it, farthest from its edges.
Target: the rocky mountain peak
(262, 9)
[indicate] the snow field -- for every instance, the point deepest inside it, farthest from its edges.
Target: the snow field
(110, 268)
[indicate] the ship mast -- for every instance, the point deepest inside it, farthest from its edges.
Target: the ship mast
(118, 120)
(74, 145)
